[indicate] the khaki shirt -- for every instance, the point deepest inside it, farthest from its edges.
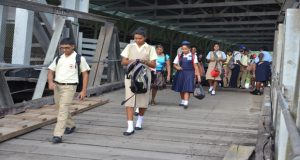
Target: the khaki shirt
(66, 69)
(245, 60)
(145, 52)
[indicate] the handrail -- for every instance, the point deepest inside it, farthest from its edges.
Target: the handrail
(293, 132)
(38, 7)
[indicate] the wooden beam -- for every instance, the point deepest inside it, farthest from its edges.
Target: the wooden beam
(239, 152)
(229, 29)
(97, 56)
(3, 18)
(104, 52)
(217, 15)
(233, 34)
(223, 23)
(38, 7)
(40, 34)
(197, 5)
(40, 86)
(5, 95)
(244, 38)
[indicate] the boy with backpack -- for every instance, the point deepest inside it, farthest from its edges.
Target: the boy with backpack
(136, 91)
(63, 79)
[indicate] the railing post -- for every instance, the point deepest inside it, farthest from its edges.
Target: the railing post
(297, 99)
(291, 56)
(278, 43)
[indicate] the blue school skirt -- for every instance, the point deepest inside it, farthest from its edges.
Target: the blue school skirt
(184, 81)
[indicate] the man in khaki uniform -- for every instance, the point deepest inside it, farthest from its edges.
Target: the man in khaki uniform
(64, 85)
(245, 61)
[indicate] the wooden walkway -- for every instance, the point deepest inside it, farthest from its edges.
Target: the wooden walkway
(204, 131)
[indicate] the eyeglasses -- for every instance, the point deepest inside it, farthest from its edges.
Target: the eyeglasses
(66, 48)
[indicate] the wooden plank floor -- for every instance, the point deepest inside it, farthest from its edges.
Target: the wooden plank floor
(204, 131)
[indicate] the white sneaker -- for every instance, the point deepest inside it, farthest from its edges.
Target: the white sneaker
(213, 92)
(210, 89)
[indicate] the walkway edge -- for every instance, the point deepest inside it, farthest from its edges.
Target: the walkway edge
(265, 139)
(15, 125)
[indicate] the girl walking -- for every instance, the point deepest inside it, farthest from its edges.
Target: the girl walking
(184, 81)
(144, 53)
(162, 62)
(215, 59)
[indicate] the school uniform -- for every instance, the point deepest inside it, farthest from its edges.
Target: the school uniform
(235, 70)
(227, 77)
(133, 52)
(66, 79)
(262, 71)
(212, 65)
(184, 79)
(243, 71)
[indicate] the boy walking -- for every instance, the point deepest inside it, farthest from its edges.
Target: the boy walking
(63, 79)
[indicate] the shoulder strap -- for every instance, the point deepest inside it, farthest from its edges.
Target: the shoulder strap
(193, 58)
(216, 59)
(216, 56)
(57, 58)
(180, 56)
(78, 62)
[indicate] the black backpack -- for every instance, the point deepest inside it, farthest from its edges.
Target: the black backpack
(137, 73)
(78, 62)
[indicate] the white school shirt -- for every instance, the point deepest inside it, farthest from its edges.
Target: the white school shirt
(188, 56)
(267, 57)
(66, 69)
(237, 56)
(218, 52)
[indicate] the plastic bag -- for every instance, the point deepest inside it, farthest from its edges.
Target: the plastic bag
(199, 92)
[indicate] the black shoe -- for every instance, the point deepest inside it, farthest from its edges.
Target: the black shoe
(69, 130)
(256, 92)
(180, 104)
(138, 128)
(128, 133)
(252, 92)
(56, 139)
(185, 106)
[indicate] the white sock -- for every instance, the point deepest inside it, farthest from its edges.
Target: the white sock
(139, 121)
(213, 92)
(182, 101)
(185, 102)
(211, 88)
(130, 126)
(137, 110)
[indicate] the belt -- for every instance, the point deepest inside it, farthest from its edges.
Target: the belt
(65, 83)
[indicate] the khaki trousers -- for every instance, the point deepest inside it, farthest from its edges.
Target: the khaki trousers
(242, 77)
(228, 73)
(63, 96)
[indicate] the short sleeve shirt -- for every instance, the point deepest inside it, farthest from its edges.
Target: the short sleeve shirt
(267, 57)
(245, 60)
(66, 69)
(237, 56)
(219, 54)
(188, 56)
(145, 52)
(161, 62)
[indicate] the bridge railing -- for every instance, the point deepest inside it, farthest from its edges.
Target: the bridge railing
(95, 35)
(286, 86)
